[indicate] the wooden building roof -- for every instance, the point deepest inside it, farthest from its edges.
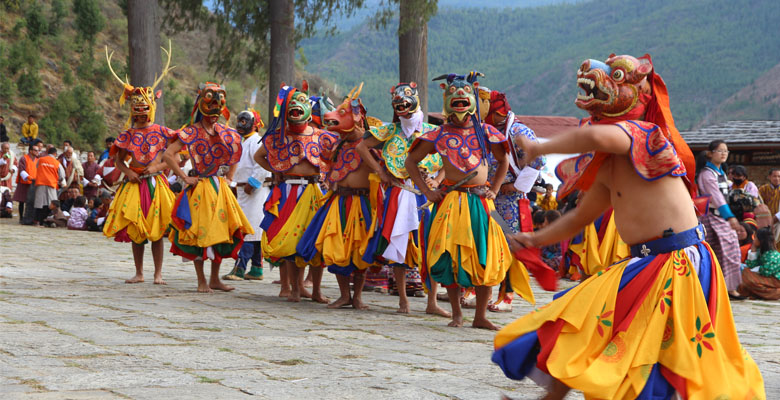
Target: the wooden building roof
(739, 135)
(545, 126)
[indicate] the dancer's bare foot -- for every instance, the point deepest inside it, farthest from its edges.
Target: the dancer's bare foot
(358, 304)
(158, 280)
(319, 298)
(305, 293)
(308, 283)
(483, 324)
(341, 302)
(135, 279)
(295, 296)
(276, 282)
(457, 321)
(403, 307)
(285, 292)
(221, 286)
(204, 288)
(436, 310)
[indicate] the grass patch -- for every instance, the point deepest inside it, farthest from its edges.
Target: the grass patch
(200, 328)
(6, 292)
(225, 349)
(206, 379)
(293, 361)
(33, 384)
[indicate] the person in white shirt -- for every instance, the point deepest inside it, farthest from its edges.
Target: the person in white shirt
(248, 179)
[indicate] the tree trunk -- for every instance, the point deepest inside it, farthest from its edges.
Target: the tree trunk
(282, 57)
(143, 37)
(413, 50)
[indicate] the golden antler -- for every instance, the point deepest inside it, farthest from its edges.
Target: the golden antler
(108, 58)
(349, 96)
(359, 89)
(167, 68)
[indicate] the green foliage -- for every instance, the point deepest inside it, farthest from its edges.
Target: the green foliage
(67, 74)
(86, 66)
(58, 12)
(20, 57)
(29, 84)
(7, 88)
(20, 24)
(37, 25)
(11, 5)
(89, 19)
(74, 116)
(533, 53)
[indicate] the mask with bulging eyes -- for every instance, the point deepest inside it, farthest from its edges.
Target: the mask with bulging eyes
(406, 100)
(212, 99)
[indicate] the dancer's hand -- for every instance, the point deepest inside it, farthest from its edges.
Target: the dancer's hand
(519, 241)
(191, 180)
(490, 195)
(132, 176)
(733, 223)
(434, 196)
(432, 183)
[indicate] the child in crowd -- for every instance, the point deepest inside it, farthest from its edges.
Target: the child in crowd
(56, 218)
(78, 214)
(761, 278)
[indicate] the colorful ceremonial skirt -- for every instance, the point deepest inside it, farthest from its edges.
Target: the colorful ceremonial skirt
(646, 327)
(289, 211)
(599, 245)
(341, 230)
(462, 245)
(208, 222)
(140, 211)
(396, 237)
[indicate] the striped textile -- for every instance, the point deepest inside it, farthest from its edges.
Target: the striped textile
(725, 245)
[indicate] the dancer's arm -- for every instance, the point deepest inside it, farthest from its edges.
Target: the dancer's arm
(594, 203)
(170, 158)
(604, 138)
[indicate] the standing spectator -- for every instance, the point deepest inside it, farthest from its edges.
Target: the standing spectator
(49, 175)
(91, 179)
(25, 184)
(29, 130)
(72, 165)
(720, 221)
(7, 166)
(739, 178)
(3, 132)
(78, 214)
(105, 154)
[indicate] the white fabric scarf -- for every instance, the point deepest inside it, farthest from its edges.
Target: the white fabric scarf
(413, 124)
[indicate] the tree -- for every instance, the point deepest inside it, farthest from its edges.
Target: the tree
(36, 23)
(250, 33)
(413, 44)
(143, 38)
(89, 19)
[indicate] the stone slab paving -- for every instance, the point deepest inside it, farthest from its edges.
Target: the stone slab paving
(70, 328)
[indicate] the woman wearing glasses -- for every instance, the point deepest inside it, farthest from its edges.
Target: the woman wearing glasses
(720, 222)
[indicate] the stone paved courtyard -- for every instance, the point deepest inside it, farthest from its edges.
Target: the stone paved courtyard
(70, 328)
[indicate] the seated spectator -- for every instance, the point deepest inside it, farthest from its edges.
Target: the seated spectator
(97, 218)
(761, 278)
(547, 202)
(78, 214)
(739, 180)
(6, 205)
(56, 218)
(745, 233)
(68, 197)
(538, 219)
(551, 255)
